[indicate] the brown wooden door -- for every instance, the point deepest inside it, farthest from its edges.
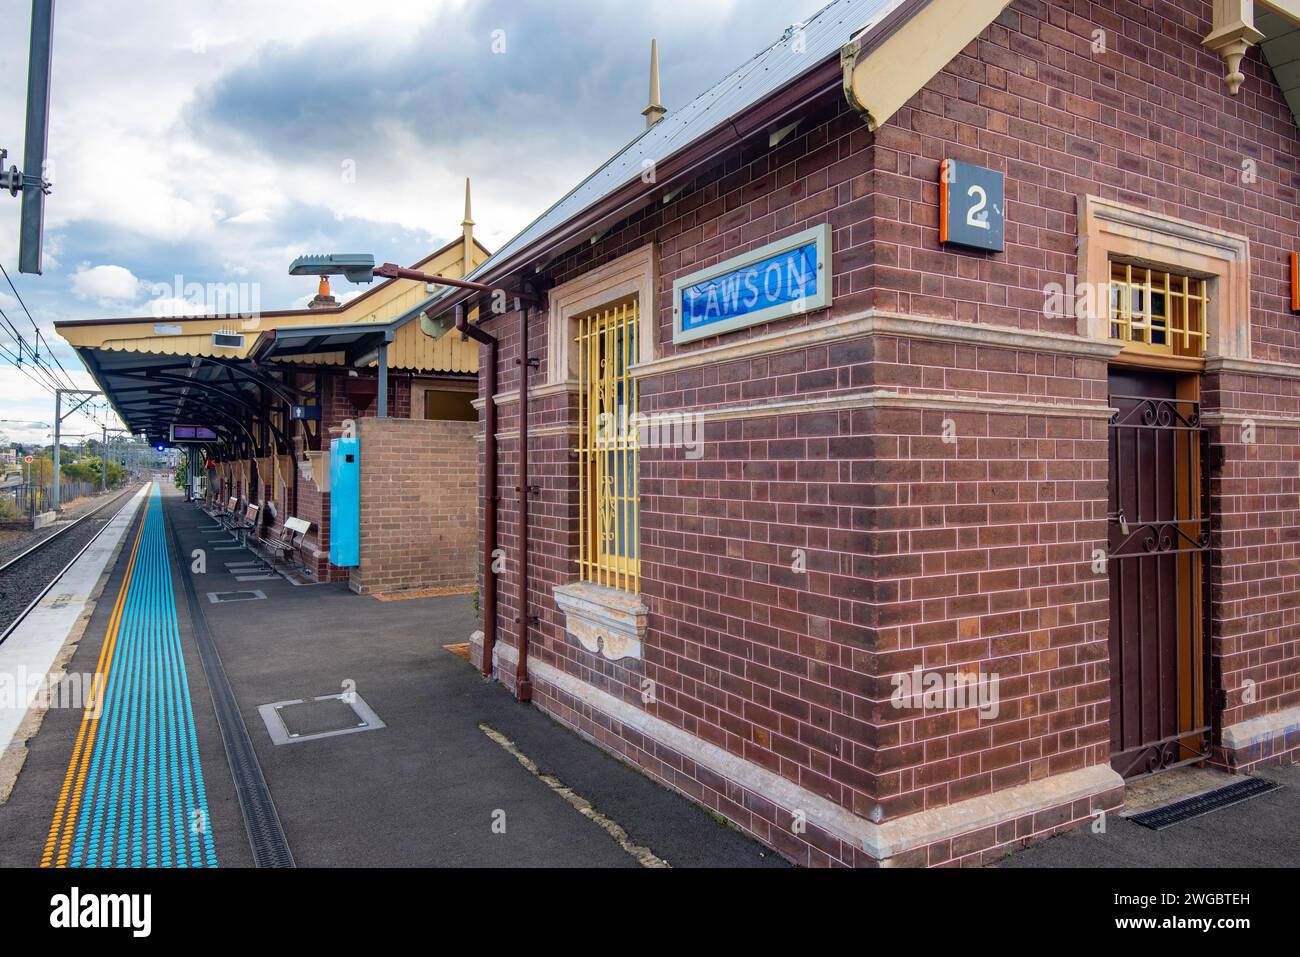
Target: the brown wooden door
(1159, 533)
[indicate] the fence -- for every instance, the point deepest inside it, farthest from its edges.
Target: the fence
(28, 501)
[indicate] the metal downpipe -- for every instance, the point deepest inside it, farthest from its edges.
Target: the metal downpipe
(489, 486)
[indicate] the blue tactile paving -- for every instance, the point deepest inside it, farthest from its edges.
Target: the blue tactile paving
(144, 803)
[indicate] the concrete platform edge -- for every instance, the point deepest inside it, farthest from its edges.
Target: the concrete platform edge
(100, 562)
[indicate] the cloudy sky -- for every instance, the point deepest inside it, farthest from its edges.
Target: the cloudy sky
(215, 141)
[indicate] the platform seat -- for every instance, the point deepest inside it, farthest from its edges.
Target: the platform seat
(285, 543)
(246, 524)
(229, 515)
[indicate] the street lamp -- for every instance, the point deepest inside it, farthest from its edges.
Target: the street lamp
(360, 267)
(354, 267)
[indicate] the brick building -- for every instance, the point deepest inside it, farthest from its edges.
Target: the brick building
(276, 388)
(910, 443)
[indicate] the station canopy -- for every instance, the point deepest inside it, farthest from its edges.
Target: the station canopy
(242, 375)
(152, 390)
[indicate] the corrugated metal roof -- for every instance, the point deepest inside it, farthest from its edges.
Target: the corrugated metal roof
(769, 71)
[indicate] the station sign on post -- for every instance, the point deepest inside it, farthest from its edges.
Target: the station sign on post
(786, 278)
(972, 204)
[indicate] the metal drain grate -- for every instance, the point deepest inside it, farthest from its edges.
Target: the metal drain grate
(1171, 814)
(217, 597)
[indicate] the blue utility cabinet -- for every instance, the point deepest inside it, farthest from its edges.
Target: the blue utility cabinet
(345, 503)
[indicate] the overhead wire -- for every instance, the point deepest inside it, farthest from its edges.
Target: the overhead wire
(48, 379)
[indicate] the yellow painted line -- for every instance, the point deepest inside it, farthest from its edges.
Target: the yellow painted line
(644, 856)
(74, 782)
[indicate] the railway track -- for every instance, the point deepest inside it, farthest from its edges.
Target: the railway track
(25, 578)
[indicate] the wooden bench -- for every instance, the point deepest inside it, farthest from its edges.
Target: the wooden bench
(283, 543)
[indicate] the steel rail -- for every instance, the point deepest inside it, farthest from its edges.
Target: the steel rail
(64, 570)
(59, 534)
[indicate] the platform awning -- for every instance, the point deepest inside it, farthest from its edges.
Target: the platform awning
(356, 344)
(151, 392)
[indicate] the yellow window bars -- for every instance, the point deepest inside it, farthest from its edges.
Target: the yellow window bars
(1158, 312)
(609, 547)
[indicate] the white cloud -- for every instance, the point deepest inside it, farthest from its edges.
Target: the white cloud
(254, 215)
(27, 403)
(107, 285)
(144, 187)
(172, 307)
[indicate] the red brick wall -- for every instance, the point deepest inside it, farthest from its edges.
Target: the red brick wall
(310, 503)
(949, 555)
(1255, 573)
(1148, 123)
(419, 490)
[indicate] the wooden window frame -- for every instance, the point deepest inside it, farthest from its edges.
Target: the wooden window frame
(634, 274)
(608, 466)
(1133, 317)
(1110, 230)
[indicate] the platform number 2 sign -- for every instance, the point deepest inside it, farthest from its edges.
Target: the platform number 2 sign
(971, 204)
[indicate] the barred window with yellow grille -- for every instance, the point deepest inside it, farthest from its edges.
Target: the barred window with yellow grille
(609, 540)
(1158, 312)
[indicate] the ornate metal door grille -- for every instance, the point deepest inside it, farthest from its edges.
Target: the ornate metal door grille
(1159, 540)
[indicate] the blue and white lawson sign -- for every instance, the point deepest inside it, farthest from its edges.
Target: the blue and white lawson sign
(785, 278)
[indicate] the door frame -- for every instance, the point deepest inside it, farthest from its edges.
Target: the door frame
(1193, 743)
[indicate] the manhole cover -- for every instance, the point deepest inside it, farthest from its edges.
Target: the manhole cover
(318, 716)
(290, 722)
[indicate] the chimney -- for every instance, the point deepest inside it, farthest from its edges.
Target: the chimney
(656, 110)
(323, 298)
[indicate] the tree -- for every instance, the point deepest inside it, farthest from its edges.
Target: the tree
(41, 471)
(91, 470)
(86, 470)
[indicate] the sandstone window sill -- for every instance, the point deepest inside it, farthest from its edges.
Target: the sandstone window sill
(604, 620)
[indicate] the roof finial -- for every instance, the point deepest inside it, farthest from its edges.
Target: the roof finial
(468, 220)
(656, 110)
(467, 227)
